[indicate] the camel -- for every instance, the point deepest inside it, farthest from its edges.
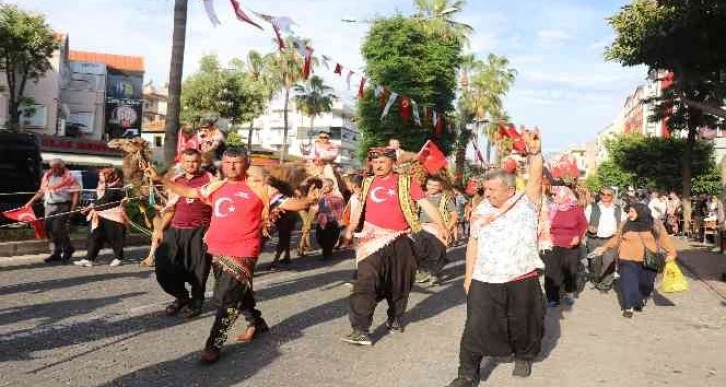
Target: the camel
(286, 178)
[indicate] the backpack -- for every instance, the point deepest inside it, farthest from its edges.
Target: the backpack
(595, 216)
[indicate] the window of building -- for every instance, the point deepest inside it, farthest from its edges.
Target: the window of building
(158, 141)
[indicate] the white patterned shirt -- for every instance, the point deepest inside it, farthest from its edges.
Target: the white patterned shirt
(507, 247)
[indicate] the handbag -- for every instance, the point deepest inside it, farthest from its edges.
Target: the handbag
(653, 260)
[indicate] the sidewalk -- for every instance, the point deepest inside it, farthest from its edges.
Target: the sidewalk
(37, 246)
(708, 266)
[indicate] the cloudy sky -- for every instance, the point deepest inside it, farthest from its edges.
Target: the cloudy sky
(563, 85)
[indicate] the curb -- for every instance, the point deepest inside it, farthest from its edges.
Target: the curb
(33, 247)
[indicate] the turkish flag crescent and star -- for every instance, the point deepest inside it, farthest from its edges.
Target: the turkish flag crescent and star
(431, 157)
(26, 215)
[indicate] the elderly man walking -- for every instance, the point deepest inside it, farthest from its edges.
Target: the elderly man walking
(60, 191)
(505, 309)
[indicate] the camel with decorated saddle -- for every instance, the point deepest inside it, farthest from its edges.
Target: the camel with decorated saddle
(288, 178)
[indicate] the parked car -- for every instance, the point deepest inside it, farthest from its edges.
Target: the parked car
(20, 169)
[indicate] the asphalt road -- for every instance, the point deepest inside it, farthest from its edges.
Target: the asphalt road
(103, 326)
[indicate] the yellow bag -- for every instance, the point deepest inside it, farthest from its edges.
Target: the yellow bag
(673, 279)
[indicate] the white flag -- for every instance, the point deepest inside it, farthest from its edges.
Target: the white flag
(347, 79)
(378, 91)
(436, 116)
(209, 7)
(416, 117)
(326, 59)
(391, 100)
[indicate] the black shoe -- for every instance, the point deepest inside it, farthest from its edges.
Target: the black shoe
(174, 308)
(628, 313)
(462, 382)
(522, 368)
(193, 309)
(394, 325)
(358, 337)
(53, 258)
(638, 309)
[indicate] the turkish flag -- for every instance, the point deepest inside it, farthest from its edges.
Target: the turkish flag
(184, 142)
(431, 157)
(406, 109)
(242, 16)
(26, 215)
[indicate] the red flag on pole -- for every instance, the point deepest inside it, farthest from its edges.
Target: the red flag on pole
(308, 60)
(406, 108)
(26, 215)
(439, 127)
(431, 157)
(361, 87)
(242, 16)
(338, 69)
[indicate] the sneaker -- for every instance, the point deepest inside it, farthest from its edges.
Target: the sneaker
(628, 313)
(423, 276)
(115, 262)
(358, 337)
(394, 325)
(462, 382)
(83, 263)
(522, 368)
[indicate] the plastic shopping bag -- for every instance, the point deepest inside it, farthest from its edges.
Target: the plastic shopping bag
(673, 279)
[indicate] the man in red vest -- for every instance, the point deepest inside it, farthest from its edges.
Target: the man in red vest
(240, 210)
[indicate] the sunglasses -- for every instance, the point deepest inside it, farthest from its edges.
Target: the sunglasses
(323, 137)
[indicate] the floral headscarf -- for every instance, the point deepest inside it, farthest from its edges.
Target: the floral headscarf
(563, 199)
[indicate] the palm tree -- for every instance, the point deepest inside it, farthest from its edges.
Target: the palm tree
(314, 98)
(488, 86)
(469, 64)
(175, 80)
(439, 16)
(286, 70)
(259, 69)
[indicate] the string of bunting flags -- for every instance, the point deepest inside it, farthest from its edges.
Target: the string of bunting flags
(282, 28)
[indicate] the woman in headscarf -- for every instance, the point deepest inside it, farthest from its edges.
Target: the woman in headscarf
(639, 232)
(567, 228)
(108, 218)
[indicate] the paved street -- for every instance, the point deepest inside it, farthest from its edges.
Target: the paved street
(69, 326)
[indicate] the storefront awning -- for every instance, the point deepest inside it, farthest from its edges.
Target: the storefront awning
(86, 160)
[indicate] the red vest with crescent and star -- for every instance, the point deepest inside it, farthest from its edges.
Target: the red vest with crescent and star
(236, 226)
(382, 206)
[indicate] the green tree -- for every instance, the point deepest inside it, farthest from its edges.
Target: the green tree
(26, 45)
(438, 17)
(686, 39)
(647, 162)
(402, 55)
(215, 92)
(314, 98)
(176, 69)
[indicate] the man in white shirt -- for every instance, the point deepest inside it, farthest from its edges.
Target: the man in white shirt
(505, 308)
(603, 219)
(658, 206)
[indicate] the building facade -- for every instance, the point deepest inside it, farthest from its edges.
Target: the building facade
(81, 102)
